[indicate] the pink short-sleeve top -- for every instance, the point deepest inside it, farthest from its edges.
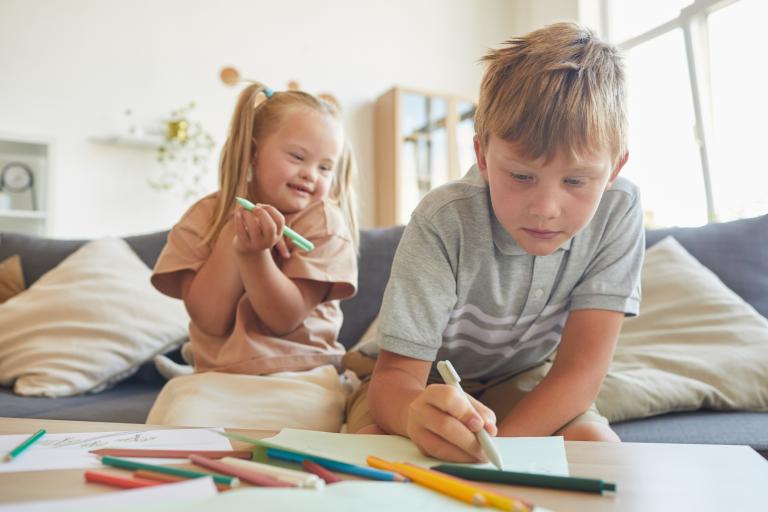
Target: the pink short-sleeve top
(250, 347)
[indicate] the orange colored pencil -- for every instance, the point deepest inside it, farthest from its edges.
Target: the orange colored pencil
(465, 493)
(164, 478)
(117, 480)
(495, 499)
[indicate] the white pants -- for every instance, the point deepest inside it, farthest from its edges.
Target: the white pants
(311, 400)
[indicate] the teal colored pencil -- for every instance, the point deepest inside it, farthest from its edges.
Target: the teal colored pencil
(301, 242)
(568, 483)
(23, 446)
(186, 473)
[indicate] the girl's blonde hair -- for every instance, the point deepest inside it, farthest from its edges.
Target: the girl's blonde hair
(255, 117)
(558, 88)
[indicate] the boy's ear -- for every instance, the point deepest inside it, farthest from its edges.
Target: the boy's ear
(482, 164)
(617, 169)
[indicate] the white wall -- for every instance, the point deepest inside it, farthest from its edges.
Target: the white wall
(68, 69)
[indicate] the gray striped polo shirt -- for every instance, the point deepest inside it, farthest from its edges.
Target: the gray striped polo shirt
(462, 289)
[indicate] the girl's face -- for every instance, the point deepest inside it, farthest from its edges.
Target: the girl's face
(294, 165)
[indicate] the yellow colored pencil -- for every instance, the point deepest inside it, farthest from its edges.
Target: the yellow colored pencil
(449, 487)
(495, 500)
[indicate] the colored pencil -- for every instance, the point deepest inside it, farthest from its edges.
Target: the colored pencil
(165, 478)
(172, 454)
(301, 242)
(320, 471)
(568, 483)
(246, 475)
(117, 480)
(291, 476)
(24, 445)
(341, 467)
(465, 493)
(129, 464)
(495, 499)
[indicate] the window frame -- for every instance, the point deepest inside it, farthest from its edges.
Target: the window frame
(693, 21)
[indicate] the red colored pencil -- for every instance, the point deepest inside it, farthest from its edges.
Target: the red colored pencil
(118, 481)
(173, 454)
(246, 475)
(314, 467)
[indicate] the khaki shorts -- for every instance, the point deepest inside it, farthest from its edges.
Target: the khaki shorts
(499, 394)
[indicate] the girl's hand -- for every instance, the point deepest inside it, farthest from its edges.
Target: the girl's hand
(259, 230)
(443, 425)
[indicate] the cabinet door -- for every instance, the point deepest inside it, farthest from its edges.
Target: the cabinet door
(423, 141)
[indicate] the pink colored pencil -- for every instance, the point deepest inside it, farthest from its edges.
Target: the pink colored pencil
(246, 475)
(118, 481)
(173, 454)
(314, 467)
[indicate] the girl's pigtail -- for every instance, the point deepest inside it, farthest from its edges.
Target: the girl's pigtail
(343, 192)
(236, 155)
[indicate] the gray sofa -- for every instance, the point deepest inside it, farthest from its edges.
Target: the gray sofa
(736, 251)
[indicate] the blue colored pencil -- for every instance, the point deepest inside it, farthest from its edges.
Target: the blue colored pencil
(334, 465)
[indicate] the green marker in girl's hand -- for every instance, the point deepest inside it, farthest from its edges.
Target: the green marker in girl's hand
(301, 242)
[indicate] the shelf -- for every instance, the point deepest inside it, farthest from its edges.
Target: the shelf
(23, 214)
(145, 142)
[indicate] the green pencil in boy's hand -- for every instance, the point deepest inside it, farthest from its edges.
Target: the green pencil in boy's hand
(300, 241)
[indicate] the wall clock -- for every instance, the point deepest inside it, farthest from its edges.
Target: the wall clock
(18, 177)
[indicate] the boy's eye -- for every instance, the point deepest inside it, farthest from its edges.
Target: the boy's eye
(522, 178)
(574, 182)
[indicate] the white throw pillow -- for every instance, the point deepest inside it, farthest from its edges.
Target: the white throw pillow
(696, 344)
(309, 400)
(89, 322)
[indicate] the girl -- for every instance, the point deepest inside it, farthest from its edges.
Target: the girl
(259, 305)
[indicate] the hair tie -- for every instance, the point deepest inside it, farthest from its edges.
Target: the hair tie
(268, 92)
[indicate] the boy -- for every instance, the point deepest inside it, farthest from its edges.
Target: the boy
(537, 249)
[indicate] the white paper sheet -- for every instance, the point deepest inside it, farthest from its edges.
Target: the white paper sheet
(71, 450)
(525, 454)
(175, 494)
(356, 496)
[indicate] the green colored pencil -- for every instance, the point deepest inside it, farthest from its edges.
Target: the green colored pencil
(186, 473)
(23, 446)
(300, 241)
(568, 483)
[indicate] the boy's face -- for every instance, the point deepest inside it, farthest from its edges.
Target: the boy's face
(543, 205)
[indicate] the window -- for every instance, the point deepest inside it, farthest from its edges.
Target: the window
(697, 106)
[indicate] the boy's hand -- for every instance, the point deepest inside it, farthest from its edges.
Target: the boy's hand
(259, 230)
(443, 424)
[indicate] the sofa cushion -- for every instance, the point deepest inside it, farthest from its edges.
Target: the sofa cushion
(737, 252)
(377, 250)
(11, 278)
(87, 323)
(695, 344)
(39, 255)
(699, 427)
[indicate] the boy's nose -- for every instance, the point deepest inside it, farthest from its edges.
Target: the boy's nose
(544, 206)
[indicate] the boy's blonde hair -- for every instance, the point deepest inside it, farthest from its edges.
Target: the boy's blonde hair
(255, 117)
(556, 89)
